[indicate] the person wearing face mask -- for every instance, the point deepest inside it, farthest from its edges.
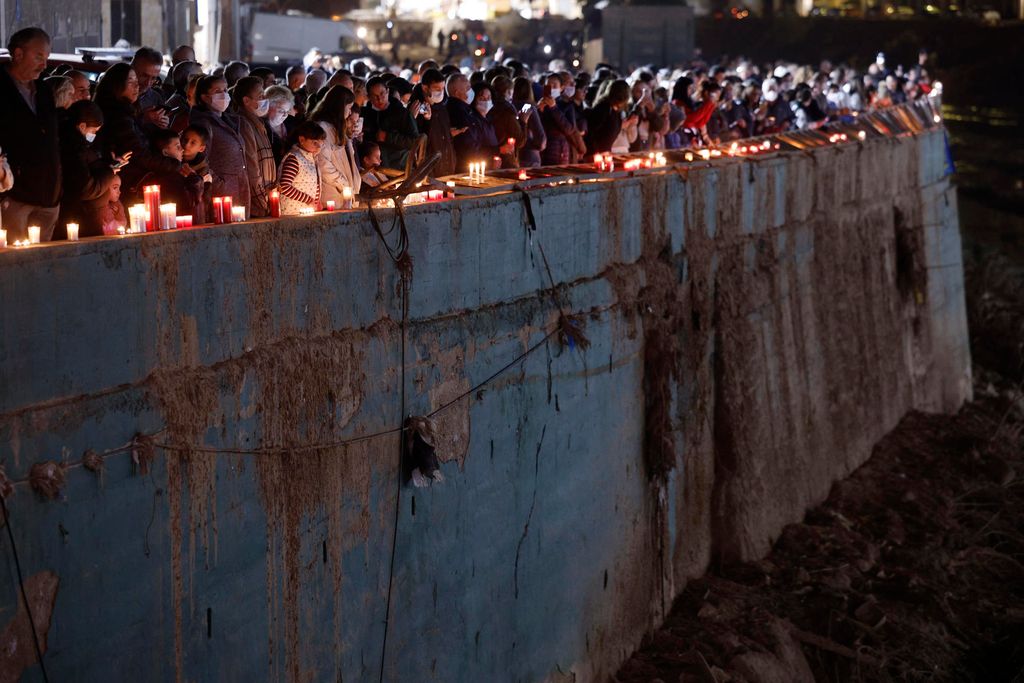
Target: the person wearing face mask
(280, 121)
(566, 104)
(431, 112)
(84, 176)
(337, 158)
(557, 127)
(536, 140)
(122, 135)
(226, 148)
(252, 108)
(468, 107)
(778, 115)
(509, 124)
(388, 123)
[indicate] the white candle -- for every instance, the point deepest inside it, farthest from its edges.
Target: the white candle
(346, 197)
(237, 214)
(3, 239)
(33, 234)
(137, 217)
(72, 232)
(331, 205)
(168, 216)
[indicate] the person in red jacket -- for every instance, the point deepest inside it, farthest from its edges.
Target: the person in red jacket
(698, 117)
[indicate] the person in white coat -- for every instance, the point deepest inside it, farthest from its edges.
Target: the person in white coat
(337, 161)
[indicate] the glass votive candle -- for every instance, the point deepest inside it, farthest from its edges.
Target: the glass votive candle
(346, 197)
(237, 214)
(3, 239)
(72, 232)
(34, 234)
(183, 221)
(330, 205)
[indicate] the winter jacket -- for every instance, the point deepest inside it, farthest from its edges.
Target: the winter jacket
(477, 142)
(121, 133)
(558, 128)
(399, 128)
(31, 142)
(536, 140)
(86, 180)
(338, 165)
(505, 120)
(259, 162)
(226, 152)
(438, 130)
(603, 127)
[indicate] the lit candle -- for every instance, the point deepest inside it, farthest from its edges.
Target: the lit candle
(609, 162)
(346, 197)
(72, 232)
(33, 234)
(151, 196)
(168, 216)
(228, 212)
(238, 214)
(275, 204)
(3, 239)
(450, 192)
(218, 210)
(522, 174)
(183, 221)
(862, 135)
(306, 211)
(330, 205)
(599, 162)
(512, 141)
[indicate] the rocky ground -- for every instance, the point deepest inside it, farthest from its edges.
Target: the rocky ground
(912, 570)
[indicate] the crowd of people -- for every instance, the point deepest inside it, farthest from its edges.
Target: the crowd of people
(74, 151)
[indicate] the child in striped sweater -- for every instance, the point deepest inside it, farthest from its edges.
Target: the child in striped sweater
(299, 178)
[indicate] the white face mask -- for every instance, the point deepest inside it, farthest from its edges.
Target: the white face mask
(469, 96)
(220, 101)
(570, 90)
(556, 93)
(484, 106)
(436, 97)
(770, 95)
(262, 108)
(90, 137)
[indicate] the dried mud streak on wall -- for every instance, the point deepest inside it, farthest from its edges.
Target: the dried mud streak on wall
(305, 391)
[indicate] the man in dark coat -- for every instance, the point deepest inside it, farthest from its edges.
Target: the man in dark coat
(388, 122)
(507, 121)
(29, 137)
(437, 125)
(146, 64)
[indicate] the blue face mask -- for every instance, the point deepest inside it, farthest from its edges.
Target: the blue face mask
(90, 137)
(469, 96)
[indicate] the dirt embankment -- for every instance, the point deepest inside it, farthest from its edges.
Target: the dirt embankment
(912, 570)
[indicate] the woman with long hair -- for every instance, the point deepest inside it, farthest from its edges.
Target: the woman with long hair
(121, 135)
(536, 138)
(337, 159)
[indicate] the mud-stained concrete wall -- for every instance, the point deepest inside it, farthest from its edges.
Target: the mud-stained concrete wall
(754, 328)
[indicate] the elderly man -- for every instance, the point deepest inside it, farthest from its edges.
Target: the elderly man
(388, 123)
(81, 84)
(146, 64)
(28, 136)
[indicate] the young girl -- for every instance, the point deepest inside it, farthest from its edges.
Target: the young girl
(299, 177)
(111, 215)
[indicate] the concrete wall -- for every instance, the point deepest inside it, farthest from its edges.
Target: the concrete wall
(755, 327)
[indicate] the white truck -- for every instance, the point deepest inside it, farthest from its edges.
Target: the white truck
(286, 38)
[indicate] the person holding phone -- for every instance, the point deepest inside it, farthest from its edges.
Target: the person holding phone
(437, 125)
(558, 128)
(122, 135)
(536, 140)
